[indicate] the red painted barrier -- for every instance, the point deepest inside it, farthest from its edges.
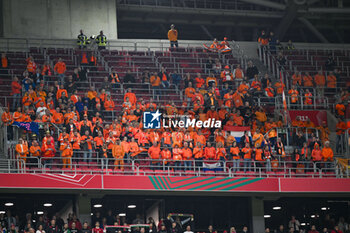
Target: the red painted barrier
(164, 183)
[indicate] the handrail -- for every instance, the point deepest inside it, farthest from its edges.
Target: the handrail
(171, 167)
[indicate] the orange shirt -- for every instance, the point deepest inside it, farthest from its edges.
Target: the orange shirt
(187, 153)
(60, 67)
(198, 152)
(258, 155)
(76, 141)
(166, 154)
(155, 81)
(126, 146)
(109, 105)
(247, 153)
(66, 149)
(6, 118)
(210, 153)
(327, 153)
(331, 81)
(131, 96)
(189, 92)
(340, 109)
(166, 136)
(177, 154)
(320, 80)
(154, 152)
(88, 140)
(235, 152)
(98, 141)
(172, 35)
(118, 151)
(296, 79)
(308, 81)
(35, 151)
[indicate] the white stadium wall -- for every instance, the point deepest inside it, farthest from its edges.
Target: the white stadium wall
(58, 18)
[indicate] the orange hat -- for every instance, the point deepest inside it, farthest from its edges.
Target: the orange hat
(225, 38)
(227, 67)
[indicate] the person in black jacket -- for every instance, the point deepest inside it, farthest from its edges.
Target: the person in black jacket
(251, 70)
(129, 78)
(164, 77)
(245, 139)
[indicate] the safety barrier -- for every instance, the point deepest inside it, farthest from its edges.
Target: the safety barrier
(129, 166)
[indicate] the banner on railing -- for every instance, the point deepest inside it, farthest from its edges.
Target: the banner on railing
(215, 166)
(237, 131)
(317, 117)
(29, 126)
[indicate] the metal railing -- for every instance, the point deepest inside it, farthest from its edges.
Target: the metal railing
(129, 166)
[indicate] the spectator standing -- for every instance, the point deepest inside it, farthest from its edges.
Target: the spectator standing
(4, 64)
(82, 40)
(252, 70)
(129, 78)
(101, 41)
(330, 63)
(60, 69)
(165, 78)
(172, 36)
(294, 223)
(16, 89)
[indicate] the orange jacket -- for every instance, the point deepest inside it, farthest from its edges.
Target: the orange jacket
(22, 150)
(154, 152)
(60, 67)
(327, 154)
(118, 151)
(210, 153)
(172, 35)
(66, 149)
(331, 81)
(186, 153)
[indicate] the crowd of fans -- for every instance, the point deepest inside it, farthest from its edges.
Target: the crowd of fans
(111, 223)
(227, 93)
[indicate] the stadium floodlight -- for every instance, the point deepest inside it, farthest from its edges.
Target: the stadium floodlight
(92, 214)
(122, 214)
(98, 205)
(47, 204)
(276, 207)
(9, 204)
(313, 216)
(40, 212)
(303, 224)
(267, 216)
(131, 206)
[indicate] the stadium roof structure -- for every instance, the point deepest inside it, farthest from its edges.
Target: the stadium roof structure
(296, 20)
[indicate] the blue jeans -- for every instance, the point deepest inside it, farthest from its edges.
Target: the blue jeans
(236, 163)
(87, 156)
(165, 84)
(61, 77)
(156, 92)
(177, 165)
(188, 165)
(247, 164)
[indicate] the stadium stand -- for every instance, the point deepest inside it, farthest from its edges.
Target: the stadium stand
(91, 76)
